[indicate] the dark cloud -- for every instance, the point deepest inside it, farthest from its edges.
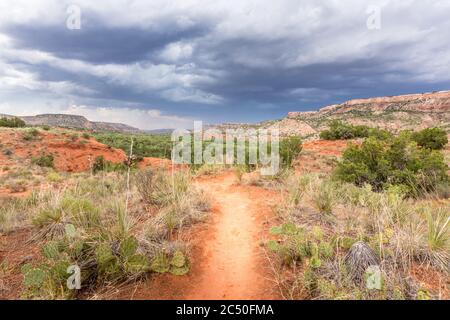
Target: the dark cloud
(258, 71)
(96, 43)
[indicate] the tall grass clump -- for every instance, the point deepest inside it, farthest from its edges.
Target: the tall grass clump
(161, 188)
(324, 197)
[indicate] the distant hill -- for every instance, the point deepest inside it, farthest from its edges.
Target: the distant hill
(405, 112)
(74, 121)
(413, 111)
(158, 131)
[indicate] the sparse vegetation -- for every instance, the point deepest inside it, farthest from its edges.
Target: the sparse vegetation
(88, 225)
(44, 160)
(333, 234)
(30, 134)
(367, 251)
(100, 164)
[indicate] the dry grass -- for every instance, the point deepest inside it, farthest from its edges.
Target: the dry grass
(400, 233)
(90, 211)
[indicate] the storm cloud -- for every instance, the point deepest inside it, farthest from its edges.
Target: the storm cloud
(172, 62)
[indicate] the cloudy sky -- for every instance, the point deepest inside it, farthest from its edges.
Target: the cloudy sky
(161, 64)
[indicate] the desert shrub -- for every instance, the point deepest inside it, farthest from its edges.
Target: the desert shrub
(46, 127)
(397, 162)
(74, 137)
(100, 164)
(339, 130)
(432, 138)
(44, 160)
(86, 136)
(11, 122)
(54, 177)
(30, 134)
(342, 131)
(290, 148)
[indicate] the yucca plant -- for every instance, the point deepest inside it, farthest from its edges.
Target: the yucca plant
(323, 198)
(438, 238)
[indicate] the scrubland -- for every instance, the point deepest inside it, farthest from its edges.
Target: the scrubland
(362, 217)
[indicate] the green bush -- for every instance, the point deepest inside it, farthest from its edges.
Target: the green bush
(44, 160)
(431, 138)
(290, 148)
(30, 134)
(145, 145)
(100, 164)
(12, 122)
(397, 162)
(343, 131)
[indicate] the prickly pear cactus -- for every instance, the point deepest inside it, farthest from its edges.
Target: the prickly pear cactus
(179, 264)
(59, 270)
(160, 263)
(178, 259)
(273, 245)
(70, 230)
(51, 250)
(34, 277)
(136, 264)
(107, 262)
(181, 271)
(128, 247)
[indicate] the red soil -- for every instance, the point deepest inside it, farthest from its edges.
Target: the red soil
(15, 251)
(70, 154)
(432, 280)
(158, 163)
(326, 147)
(316, 155)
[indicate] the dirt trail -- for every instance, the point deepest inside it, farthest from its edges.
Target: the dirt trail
(227, 260)
(233, 266)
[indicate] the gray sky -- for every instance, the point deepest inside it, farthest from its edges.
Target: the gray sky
(161, 64)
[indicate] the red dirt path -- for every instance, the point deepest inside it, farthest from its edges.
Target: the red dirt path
(227, 259)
